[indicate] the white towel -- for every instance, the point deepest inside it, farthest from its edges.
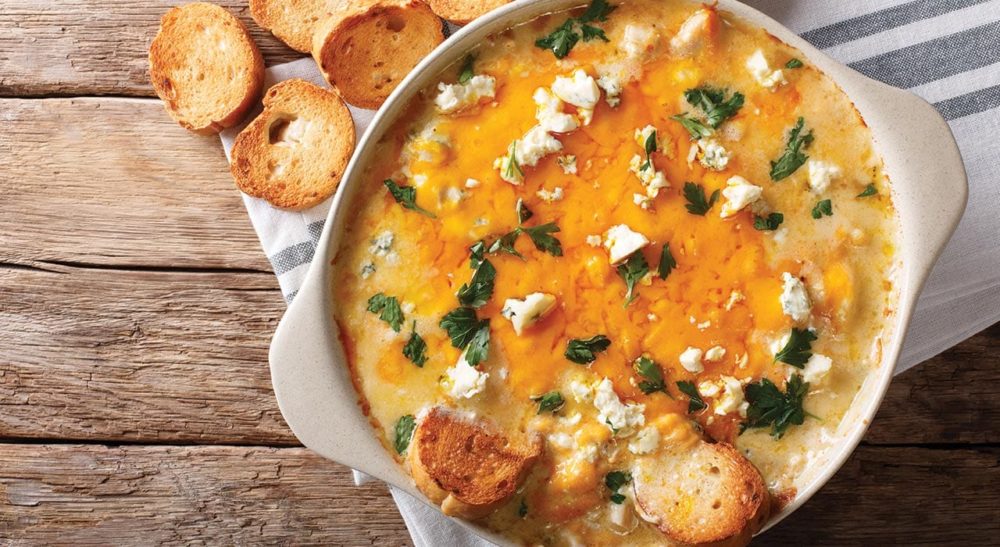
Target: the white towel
(947, 51)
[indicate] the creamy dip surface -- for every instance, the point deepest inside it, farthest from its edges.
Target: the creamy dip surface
(678, 221)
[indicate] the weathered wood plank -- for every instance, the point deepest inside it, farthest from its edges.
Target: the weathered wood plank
(90, 47)
(116, 182)
(141, 495)
(106, 355)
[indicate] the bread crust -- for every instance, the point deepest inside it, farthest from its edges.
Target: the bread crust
(205, 67)
(295, 152)
(293, 21)
(464, 11)
(468, 465)
(367, 49)
(709, 496)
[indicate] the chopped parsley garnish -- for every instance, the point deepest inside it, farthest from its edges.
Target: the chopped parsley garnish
(388, 310)
(798, 350)
(697, 204)
(406, 196)
(477, 254)
(697, 129)
(561, 40)
(823, 208)
(650, 147)
(550, 402)
(615, 480)
(770, 407)
(462, 325)
(523, 213)
(522, 510)
(794, 63)
(648, 369)
(769, 223)
(479, 347)
(403, 433)
(479, 289)
(695, 402)
(540, 236)
(714, 104)
(466, 73)
(513, 169)
(584, 351)
(415, 349)
(793, 158)
(505, 244)
(667, 262)
(632, 271)
(870, 190)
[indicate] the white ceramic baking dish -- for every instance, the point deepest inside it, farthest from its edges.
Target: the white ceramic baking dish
(308, 365)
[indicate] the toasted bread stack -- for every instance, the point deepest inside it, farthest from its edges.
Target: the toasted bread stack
(708, 494)
(294, 153)
(365, 50)
(468, 466)
(205, 67)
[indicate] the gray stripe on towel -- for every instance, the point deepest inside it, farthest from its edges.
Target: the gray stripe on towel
(292, 257)
(883, 20)
(936, 59)
(970, 103)
(315, 230)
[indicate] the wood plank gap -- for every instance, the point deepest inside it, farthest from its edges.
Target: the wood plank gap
(61, 266)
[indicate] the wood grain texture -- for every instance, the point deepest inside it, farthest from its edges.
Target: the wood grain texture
(142, 495)
(94, 47)
(112, 355)
(116, 182)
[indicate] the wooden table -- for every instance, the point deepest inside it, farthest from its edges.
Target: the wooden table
(136, 309)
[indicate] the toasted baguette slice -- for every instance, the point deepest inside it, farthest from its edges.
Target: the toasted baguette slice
(367, 49)
(464, 11)
(468, 466)
(205, 67)
(294, 153)
(292, 21)
(707, 495)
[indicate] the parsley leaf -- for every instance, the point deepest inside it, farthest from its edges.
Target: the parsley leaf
(823, 208)
(794, 63)
(697, 129)
(632, 271)
(649, 147)
(505, 244)
(522, 510)
(714, 104)
(416, 349)
(769, 223)
(648, 369)
(388, 309)
(770, 407)
(543, 241)
(550, 402)
(477, 254)
(870, 190)
(798, 350)
(667, 262)
(598, 10)
(615, 480)
(479, 289)
(462, 325)
(403, 432)
(513, 169)
(523, 213)
(561, 40)
(583, 351)
(479, 346)
(695, 196)
(793, 158)
(695, 402)
(466, 73)
(591, 32)
(406, 196)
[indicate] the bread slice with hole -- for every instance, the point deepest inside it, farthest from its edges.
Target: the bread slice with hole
(367, 49)
(467, 465)
(464, 11)
(293, 21)
(709, 494)
(295, 152)
(205, 67)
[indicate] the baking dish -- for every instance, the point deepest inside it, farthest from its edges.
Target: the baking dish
(309, 370)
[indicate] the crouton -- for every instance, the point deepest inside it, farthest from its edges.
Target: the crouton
(294, 153)
(467, 465)
(709, 494)
(365, 50)
(205, 67)
(292, 21)
(462, 12)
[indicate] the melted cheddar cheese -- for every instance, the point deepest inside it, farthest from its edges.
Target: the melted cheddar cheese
(716, 320)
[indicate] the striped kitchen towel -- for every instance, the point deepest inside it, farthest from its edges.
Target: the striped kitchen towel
(946, 51)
